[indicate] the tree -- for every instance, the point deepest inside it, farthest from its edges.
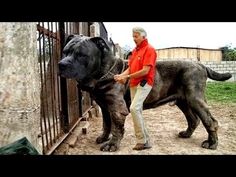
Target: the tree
(229, 53)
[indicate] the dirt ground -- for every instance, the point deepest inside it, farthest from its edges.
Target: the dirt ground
(163, 124)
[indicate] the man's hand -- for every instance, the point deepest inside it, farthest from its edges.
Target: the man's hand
(120, 78)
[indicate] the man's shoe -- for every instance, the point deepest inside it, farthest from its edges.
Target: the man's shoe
(140, 146)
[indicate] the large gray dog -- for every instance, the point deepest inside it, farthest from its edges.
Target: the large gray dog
(91, 62)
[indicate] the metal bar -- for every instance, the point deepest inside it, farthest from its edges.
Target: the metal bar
(43, 90)
(87, 110)
(58, 119)
(63, 85)
(52, 149)
(58, 78)
(82, 117)
(45, 83)
(51, 69)
(54, 88)
(54, 76)
(46, 131)
(42, 117)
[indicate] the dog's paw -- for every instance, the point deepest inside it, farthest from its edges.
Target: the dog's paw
(101, 139)
(184, 134)
(109, 147)
(206, 144)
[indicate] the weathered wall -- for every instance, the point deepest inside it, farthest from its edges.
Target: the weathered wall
(194, 54)
(19, 84)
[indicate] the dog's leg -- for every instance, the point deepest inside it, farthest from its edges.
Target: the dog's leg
(106, 127)
(192, 119)
(200, 108)
(117, 131)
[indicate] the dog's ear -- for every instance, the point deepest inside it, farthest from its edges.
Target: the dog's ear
(101, 43)
(69, 38)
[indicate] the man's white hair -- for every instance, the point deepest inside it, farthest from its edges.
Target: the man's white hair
(140, 30)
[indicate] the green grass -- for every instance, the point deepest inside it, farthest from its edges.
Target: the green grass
(224, 92)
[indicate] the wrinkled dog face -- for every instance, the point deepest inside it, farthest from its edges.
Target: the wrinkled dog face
(79, 57)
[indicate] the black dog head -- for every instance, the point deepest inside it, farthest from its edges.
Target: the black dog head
(82, 56)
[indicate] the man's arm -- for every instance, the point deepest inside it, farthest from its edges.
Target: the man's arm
(126, 72)
(141, 72)
(125, 75)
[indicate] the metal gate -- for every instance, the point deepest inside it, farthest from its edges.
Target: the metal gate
(63, 104)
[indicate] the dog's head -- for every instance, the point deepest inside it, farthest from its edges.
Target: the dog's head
(82, 56)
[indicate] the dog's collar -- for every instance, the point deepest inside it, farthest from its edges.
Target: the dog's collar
(109, 72)
(93, 81)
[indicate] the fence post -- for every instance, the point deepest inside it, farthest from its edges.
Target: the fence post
(20, 84)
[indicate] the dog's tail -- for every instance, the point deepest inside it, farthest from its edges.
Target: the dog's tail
(215, 75)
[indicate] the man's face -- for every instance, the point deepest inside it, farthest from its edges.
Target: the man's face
(137, 38)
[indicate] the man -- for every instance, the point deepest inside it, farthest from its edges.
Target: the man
(141, 72)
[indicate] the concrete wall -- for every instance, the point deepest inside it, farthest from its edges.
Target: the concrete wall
(19, 84)
(223, 67)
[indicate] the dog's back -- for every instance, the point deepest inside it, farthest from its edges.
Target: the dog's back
(178, 79)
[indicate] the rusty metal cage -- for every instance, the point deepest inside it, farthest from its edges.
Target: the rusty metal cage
(63, 104)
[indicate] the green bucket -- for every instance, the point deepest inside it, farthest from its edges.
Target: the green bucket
(19, 147)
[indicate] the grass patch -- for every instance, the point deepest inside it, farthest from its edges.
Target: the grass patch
(224, 92)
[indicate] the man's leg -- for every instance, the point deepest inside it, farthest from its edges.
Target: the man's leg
(136, 112)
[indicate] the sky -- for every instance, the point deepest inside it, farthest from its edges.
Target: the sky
(210, 35)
